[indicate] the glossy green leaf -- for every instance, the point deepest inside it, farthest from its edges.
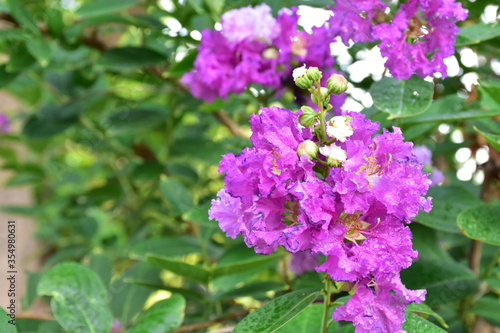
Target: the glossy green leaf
(307, 321)
(135, 119)
(127, 298)
(163, 317)
(79, 298)
(102, 265)
(476, 33)
(277, 312)
(416, 324)
(130, 58)
(445, 280)
(177, 196)
(8, 323)
(493, 139)
(488, 307)
(97, 7)
(165, 246)
(20, 59)
(192, 272)
(13, 34)
(402, 98)
(40, 49)
(424, 309)
(447, 203)
(481, 223)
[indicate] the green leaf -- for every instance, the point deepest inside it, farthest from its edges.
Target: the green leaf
(5, 325)
(416, 324)
(481, 223)
(241, 259)
(20, 59)
(6, 77)
(424, 309)
(402, 98)
(102, 265)
(79, 299)
(135, 119)
(488, 307)
(277, 312)
(40, 49)
(476, 33)
(188, 293)
(307, 321)
(492, 88)
(255, 290)
(163, 317)
(493, 139)
(130, 58)
(165, 246)
(13, 34)
(447, 203)
(445, 280)
(458, 116)
(22, 16)
(185, 65)
(127, 299)
(177, 196)
(36, 128)
(97, 7)
(195, 273)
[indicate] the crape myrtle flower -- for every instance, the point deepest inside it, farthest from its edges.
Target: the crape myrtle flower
(417, 39)
(424, 156)
(332, 187)
(253, 47)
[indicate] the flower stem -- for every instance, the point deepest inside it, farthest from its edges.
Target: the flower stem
(326, 304)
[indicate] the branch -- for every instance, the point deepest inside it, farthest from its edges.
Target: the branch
(225, 120)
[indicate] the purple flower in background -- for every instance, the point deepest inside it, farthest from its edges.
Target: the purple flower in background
(303, 261)
(4, 123)
(240, 24)
(419, 38)
(424, 156)
(255, 48)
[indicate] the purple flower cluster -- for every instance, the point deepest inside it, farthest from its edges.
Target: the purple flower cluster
(416, 39)
(253, 47)
(348, 202)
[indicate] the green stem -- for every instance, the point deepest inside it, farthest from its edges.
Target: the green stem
(326, 305)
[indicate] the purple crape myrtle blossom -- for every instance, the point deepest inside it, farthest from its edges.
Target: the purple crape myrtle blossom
(255, 48)
(332, 187)
(4, 123)
(416, 40)
(303, 261)
(424, 156)
(421, 35)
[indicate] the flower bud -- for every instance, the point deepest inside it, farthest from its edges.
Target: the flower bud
(336, 84)
(325, 96)
(300, 78)
(314, 74)
(308, 116)
(308, 148)
(334, 155)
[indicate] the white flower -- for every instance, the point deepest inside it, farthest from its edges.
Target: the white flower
(298, 72)
(338, 127)
(334, 152)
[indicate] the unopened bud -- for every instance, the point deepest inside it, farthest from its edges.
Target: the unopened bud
(300, 78)
(308, 116)
(308, 148)
(336, 84)
(325, 96)
(314, 74)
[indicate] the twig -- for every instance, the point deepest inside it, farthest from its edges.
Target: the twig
(230, 124)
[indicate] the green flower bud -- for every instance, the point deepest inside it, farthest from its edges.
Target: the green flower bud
(325, 96)
(308, 116)
(332, 162)
(308, 148)
(314, 74)
(336, 84)
(303, 82)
